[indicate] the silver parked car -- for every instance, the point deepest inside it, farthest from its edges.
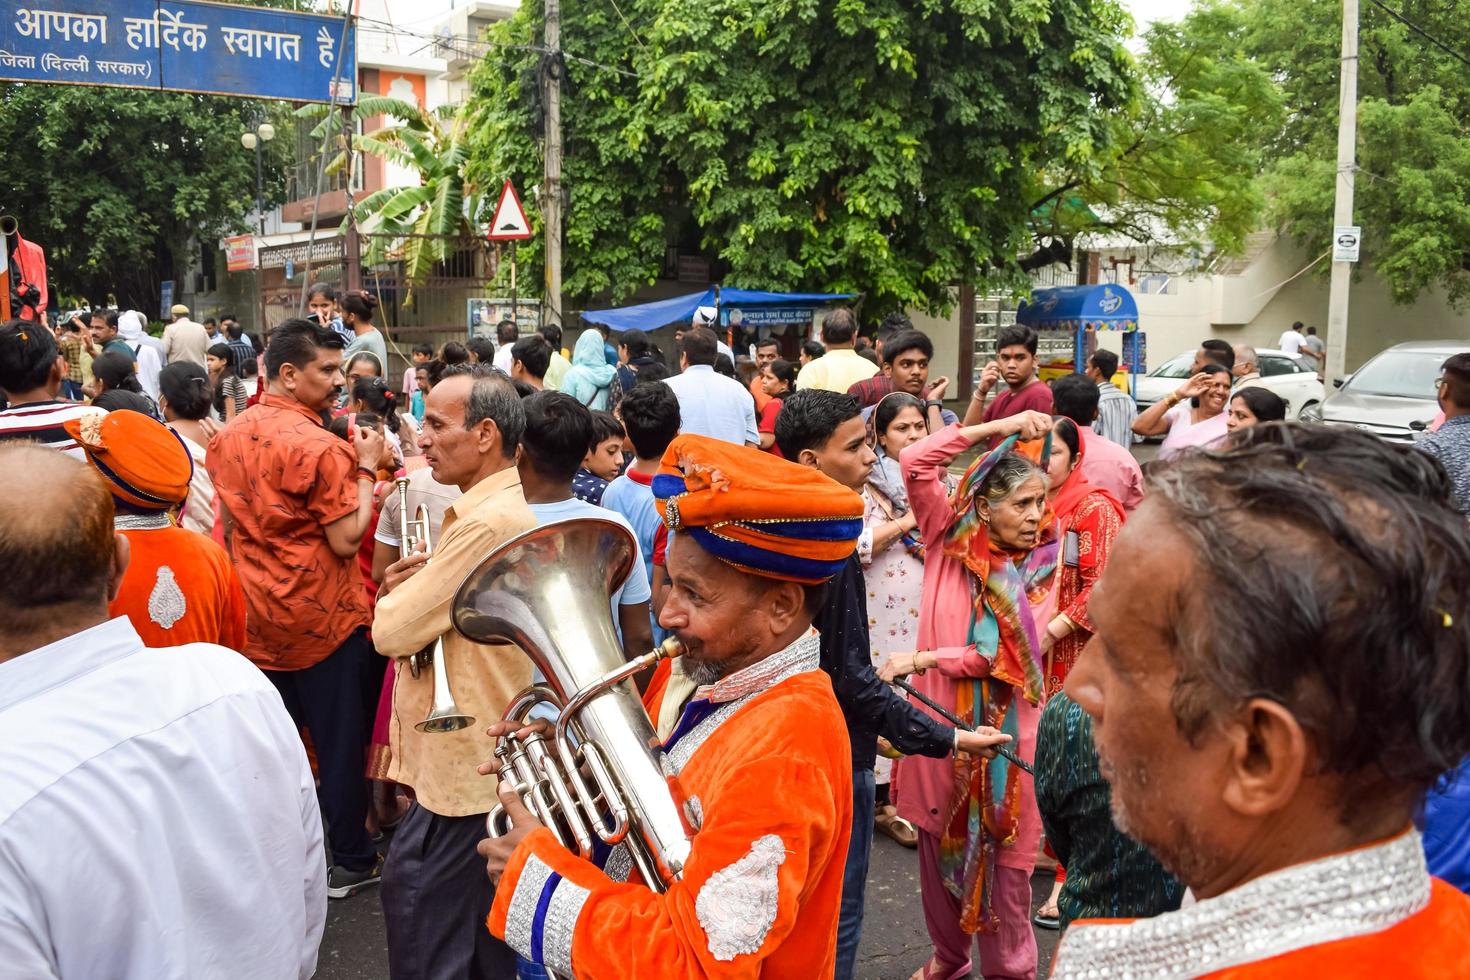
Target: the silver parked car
(1288, 375)
(1393, 394)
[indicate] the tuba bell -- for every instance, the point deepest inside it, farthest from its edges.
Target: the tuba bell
(548, 591)
(444, 715)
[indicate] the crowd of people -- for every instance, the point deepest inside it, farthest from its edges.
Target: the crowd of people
(1225, 699)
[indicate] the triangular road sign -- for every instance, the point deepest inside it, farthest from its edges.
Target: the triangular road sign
(510, 222)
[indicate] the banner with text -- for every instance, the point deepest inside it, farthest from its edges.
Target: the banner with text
(181, 46)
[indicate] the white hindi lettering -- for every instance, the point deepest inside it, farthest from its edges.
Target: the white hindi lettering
(252, 43)
(51, 62)
(165, 27)
(17, 60)
(139, 68)
(41, 24)
(325, 47)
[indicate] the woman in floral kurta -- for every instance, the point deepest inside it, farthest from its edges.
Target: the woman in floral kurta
(893, 565)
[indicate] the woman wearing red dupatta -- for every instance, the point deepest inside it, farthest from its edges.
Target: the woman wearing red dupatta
(991, 560)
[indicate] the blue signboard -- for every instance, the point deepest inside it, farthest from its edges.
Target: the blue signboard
(180, 46)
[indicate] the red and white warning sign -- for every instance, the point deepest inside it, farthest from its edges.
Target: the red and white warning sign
(510, 222)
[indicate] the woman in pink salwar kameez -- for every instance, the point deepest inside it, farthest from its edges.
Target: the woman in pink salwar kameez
(1001, 517)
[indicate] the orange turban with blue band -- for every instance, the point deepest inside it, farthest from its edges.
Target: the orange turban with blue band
(757, 512)
(145, 463)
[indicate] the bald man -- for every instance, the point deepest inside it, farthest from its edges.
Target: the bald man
(128, 851)
(1247, 370)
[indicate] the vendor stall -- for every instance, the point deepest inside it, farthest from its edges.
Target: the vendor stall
(1081, 312)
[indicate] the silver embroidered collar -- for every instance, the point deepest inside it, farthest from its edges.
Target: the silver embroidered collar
(142, 522)
(799, 657)
(1323, 901)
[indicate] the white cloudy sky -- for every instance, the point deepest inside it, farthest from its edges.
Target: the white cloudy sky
(1146, 11)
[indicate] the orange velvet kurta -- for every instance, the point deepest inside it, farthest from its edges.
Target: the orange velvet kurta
(180, 588)
(768, 779)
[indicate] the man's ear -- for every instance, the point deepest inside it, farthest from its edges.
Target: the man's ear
(1269, 756)
(122, 554)
(888, 370)
(785, 603)
(808, 457)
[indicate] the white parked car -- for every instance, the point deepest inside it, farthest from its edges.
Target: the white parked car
(1288, 375)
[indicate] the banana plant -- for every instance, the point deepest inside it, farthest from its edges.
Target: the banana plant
(420, 224)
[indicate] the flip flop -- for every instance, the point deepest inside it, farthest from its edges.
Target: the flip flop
(1044, 921)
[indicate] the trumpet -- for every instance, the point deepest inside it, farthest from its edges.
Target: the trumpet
(444, 715)
(547, 591)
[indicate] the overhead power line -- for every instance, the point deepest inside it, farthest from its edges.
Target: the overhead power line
(1426, 35)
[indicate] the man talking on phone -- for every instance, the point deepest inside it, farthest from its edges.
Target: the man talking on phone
(1015, 363)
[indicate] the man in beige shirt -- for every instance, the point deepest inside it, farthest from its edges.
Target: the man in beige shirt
(841, 367)
(435, 896)
(183, 339)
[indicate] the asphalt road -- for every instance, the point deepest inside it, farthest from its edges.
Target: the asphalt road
(894, 942)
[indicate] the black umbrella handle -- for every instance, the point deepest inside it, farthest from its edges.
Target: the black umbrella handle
(955, 720)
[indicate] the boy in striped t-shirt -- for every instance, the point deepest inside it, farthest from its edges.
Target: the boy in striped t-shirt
(31, 371)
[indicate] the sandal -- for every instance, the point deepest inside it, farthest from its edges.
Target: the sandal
(1047, 919)
(888, 823)
(933, 970)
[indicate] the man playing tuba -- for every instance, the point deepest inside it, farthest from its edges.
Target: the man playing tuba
(756, 748)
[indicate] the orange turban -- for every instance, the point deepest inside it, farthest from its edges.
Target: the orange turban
(758, 512)
(145, 463)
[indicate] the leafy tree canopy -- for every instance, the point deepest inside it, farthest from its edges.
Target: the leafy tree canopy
(116, 183)
(882, 146)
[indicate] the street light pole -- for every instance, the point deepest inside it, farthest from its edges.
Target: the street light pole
(1347, 157)
(259, 192)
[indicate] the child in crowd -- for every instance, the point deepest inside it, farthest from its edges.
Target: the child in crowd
(650, 417)
(604, 460)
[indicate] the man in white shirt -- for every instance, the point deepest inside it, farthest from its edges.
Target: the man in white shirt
(158, 818)
(841, 367)
(506, 334)
(1292, 340)
(711, 404)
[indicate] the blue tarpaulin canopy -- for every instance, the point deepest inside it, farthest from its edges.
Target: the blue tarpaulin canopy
(1072, 308)
(651, 316)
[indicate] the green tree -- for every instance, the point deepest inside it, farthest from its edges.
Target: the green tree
(1413, 184)
(1186, 155)
(118, 184)
(415, 224)
(879, 146)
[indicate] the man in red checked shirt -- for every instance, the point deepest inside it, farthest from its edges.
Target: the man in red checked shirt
(1015, 362)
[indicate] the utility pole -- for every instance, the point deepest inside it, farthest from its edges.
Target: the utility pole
(1347, 139)
(551, 199)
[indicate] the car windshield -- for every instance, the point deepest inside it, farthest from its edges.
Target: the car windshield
(1400, 374)
(1178, 367)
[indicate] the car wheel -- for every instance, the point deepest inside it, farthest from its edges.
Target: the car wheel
(1311, 412)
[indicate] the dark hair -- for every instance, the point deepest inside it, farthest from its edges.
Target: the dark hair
(767, 342)
(906, 341)
(1221, 351)
(1296, 325)
(124, 400)
(534, 353)
(453, 352)
(1065, 429)
(428, 349)
(552, 333)
(637, 343)
(723, 365)
(1016, 335)
(359, 303)
(1456, 372)
(27, 353)
(888, 409)
(506, 332)
(480, 347)
(1075, 396)
(651, 418)
(838, 327)
(522, 389)
(809, 417)
(227, 316)
(342, 425)
(186, 386)
(1354, 615)
(1106, 363)
(493, 396)
(653, 371)
(1208, 368)
(436, 369)
(208, 320)
(374, 394)
(700, 346)
(1263, 403)
(322, 289)
(296, 342)
(223, 352)
(784, 371)
(868, 354)
(117, 371)
(558, 433)
(233, 330)
(813, 349)
(1311, 331)
(363, 355)
(894, 323)
(605, 426)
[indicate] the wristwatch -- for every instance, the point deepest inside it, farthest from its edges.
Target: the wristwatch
(363, 473)
(933, 403)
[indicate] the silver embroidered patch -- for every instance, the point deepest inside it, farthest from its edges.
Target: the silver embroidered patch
(166, 604)
(737, 905)
(619, 863)
(522, 912)
(1335, 898)
(694, 810)
(561, 921)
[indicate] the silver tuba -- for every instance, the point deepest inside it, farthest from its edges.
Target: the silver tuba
(548, 591)
(444, 715)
